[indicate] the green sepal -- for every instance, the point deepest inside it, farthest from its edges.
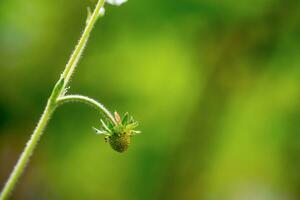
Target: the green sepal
(57, 90)
(125, 118)
(109, 124)
(132, 126)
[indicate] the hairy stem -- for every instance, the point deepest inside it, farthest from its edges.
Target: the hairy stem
(21, 164)
(71, 65)
(89, 101)
(51, 105)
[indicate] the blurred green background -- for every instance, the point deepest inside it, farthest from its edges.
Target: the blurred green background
(214, 84)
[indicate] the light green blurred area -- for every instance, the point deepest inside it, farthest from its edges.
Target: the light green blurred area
(214, 85)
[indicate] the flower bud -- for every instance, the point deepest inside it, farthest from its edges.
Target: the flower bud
(116, 2)
(101, 12)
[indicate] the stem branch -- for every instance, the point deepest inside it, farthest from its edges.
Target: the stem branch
(89, 101)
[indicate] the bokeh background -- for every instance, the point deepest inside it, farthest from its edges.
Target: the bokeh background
(214, 85)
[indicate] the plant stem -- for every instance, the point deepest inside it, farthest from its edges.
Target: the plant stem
(52, 104)
(89, 101)
(71, 65)
(21, 164)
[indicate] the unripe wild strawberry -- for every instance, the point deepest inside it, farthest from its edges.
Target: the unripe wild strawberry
(119, 141)
(119, 135)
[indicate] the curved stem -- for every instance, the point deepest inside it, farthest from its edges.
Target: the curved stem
(51, 105)
(89, 101)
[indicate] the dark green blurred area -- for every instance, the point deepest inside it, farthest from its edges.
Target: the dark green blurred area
(214, 84)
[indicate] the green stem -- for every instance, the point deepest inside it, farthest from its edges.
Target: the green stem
(72, 63)
(31, 144)
(83, 99)
(51, 105)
